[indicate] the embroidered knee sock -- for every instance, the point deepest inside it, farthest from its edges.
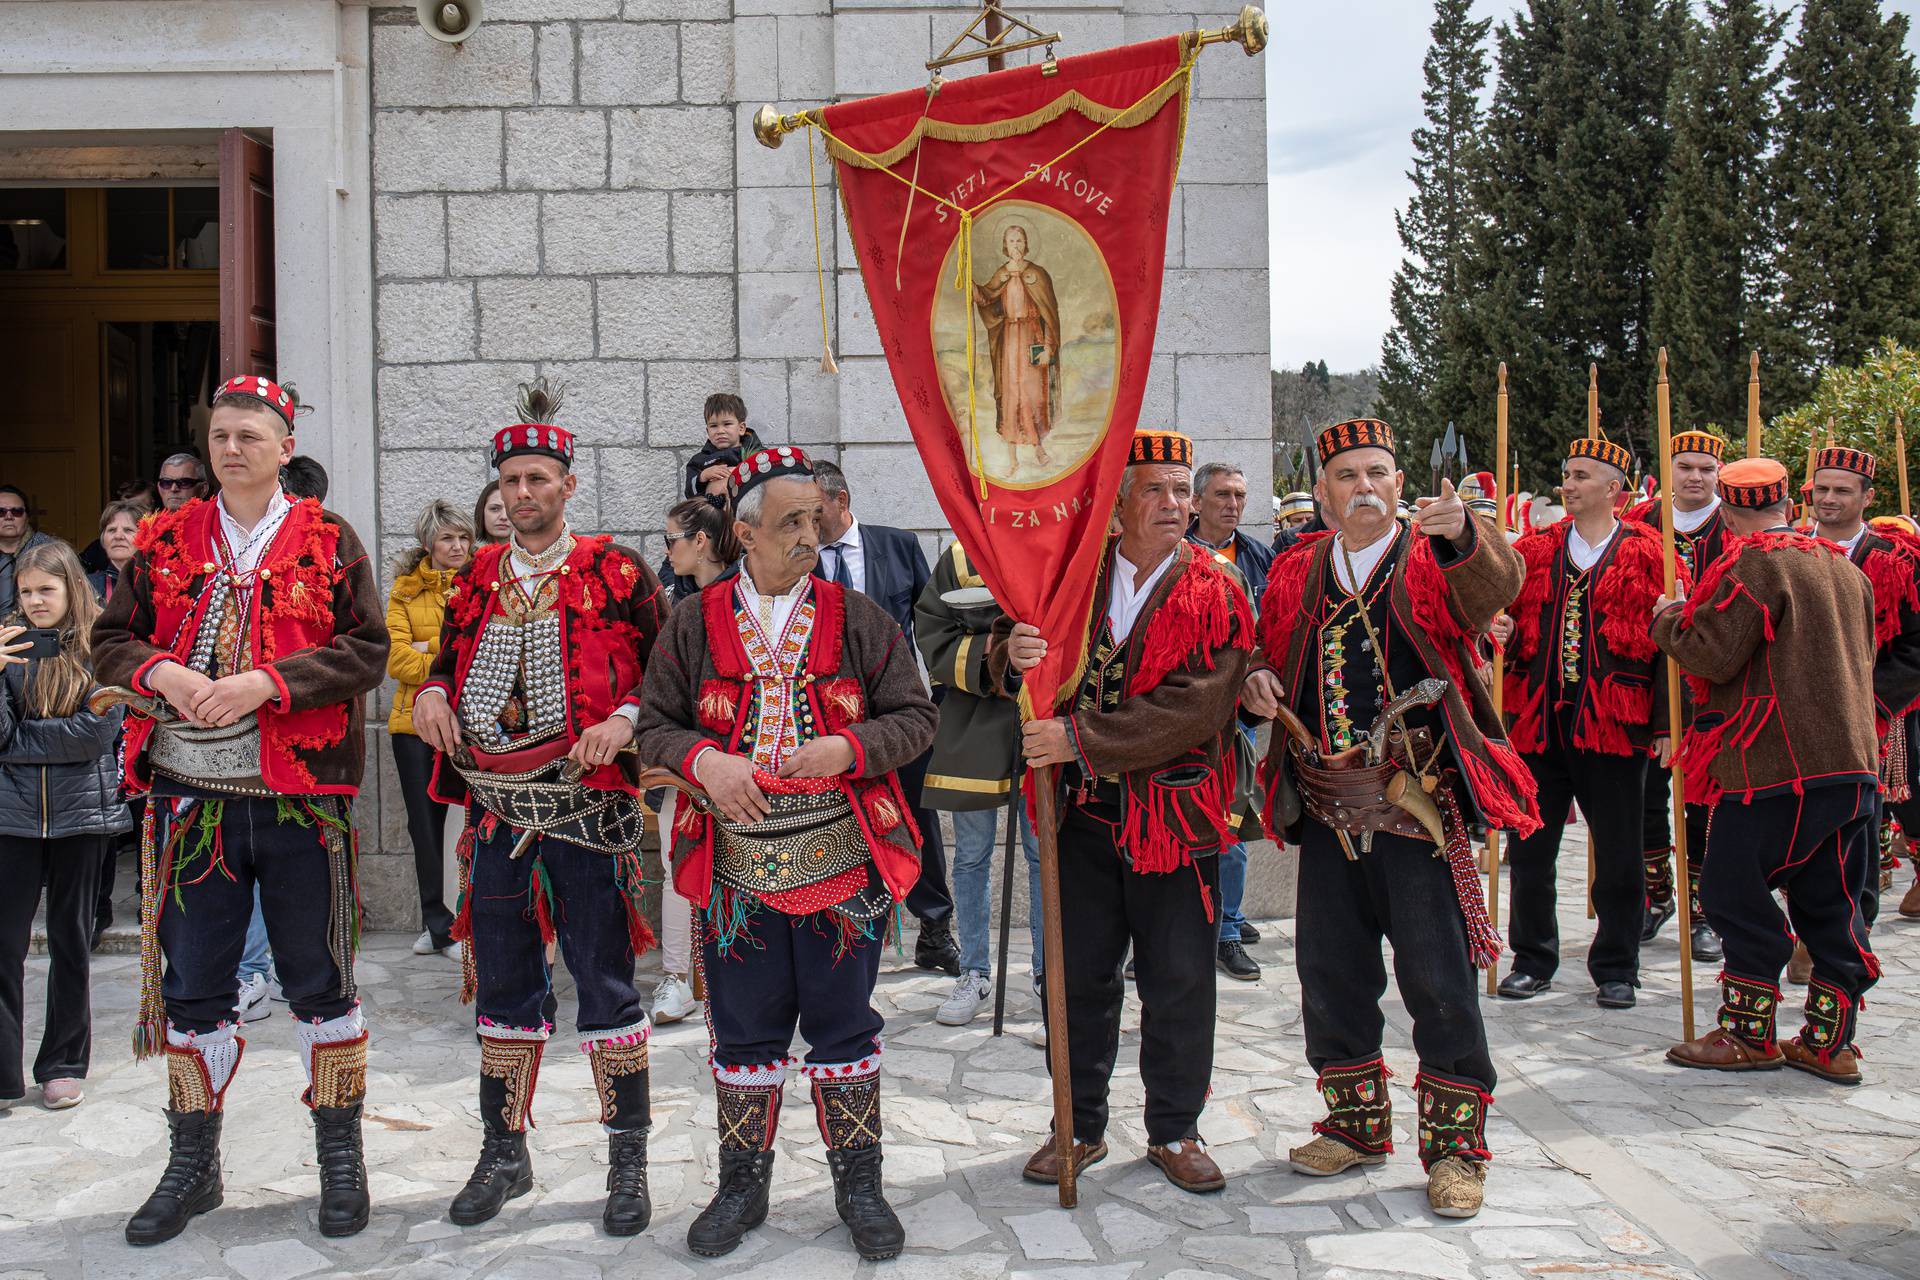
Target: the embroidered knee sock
(1359, 1112)
(747, 1102)
(1747, 1010)
(846, 1101)
(1453, 1117)
(619, 1061)
(200, 1066)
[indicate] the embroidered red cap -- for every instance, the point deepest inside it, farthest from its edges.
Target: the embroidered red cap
(1753, 483)
(1601, 449)
(1360, 433)
(538, 403)
(1697, 442)
(1160, 446)
(780, 462)
(1840, 458)
(268, 392)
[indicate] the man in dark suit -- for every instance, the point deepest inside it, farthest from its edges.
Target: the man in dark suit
(888, 566)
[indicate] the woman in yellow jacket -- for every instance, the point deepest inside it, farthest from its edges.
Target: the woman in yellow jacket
(415, 609)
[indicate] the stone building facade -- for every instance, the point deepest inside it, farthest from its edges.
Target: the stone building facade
(575, 190)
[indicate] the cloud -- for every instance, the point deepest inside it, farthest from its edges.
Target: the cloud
(1298, 149)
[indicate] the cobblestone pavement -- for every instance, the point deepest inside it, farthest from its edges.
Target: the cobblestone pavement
(1609, 1164)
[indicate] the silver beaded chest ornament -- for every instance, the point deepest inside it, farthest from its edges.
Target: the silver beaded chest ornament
(519, 648)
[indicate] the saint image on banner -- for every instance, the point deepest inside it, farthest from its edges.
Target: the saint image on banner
(1022, 315)
(1046, 345)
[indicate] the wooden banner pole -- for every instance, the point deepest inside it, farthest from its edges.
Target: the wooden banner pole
(1054, 952)
(1593, 433)
(1753, 405)
(1681, 884)
(1900, 452)
(1499, 658)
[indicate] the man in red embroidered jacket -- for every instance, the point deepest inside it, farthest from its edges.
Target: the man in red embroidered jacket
(533, 695)
(1779, 637)
(1147, 741)
(1842, 493)
(256, 619)
(1588, 695)
(1699, 536)
(793, 701)
(1350, 621)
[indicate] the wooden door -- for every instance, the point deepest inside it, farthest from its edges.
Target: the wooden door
(48, 382)
(246, 256)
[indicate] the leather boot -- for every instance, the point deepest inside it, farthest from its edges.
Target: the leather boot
(749, 1112)
(936, 950)
(871, 1222)
(344, 1204)
(848, 1109)
(620, 1077)
(508, 1069)
(1743, 1039)
(337, 1094)
(190, 1183)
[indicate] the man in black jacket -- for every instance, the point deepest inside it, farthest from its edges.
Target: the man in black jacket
(888, 567)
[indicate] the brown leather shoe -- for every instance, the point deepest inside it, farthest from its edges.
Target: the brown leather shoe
(1044, 1164)
(1719, 1050)
(1910, 905)
(1187, 1165)
(1800, 966)
(1842, 1067)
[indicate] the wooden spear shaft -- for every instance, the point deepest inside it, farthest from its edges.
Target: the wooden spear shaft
(1900, 452)
(1499, 660)
(1682, 885)
(1753, 405)
(1053, 949)
(1593, 433)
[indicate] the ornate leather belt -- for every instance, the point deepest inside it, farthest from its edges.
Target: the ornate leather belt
(225, 759)
(1345, 793)
(536, 797)
(806, 837)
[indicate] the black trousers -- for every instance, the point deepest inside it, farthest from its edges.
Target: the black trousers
(1171, 921)
(209, 902)
(427, 829)
(1612, 794)
(69, 866)
(931, 898)
(1819, 848)
(576, 889)
(786, 975)
(1402, 891)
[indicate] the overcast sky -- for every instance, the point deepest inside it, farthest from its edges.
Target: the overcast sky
(1343, 100)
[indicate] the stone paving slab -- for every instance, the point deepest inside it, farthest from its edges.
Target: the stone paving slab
(1609, 1164)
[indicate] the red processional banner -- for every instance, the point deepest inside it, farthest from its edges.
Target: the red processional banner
(1011, 231)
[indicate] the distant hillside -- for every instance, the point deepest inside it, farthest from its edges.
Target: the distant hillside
(1310, 397)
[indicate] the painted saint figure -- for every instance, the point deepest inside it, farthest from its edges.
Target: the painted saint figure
(1022, 315)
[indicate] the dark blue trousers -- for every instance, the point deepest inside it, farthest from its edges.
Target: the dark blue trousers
(589, 914)
(209, 900)
(784, 974)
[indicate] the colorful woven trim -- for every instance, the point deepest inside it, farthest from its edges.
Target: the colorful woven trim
(749, 1115)
(1453, 1117)
(1360, 433)
(190, 1084)
(1841, 458)
(752, 1075)
(1359, 1110)
(1697, 442)
(339, 1073)
(1600, 449)
(1747, 1010)
(1157, 447)
(848, 1111)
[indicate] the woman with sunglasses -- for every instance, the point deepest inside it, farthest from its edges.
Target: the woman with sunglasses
(17, 537)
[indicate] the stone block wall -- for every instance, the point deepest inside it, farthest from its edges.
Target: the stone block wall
(576, 191)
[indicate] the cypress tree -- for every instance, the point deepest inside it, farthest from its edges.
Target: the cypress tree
(1421, 381)
(1846, 182)
(1711, 239)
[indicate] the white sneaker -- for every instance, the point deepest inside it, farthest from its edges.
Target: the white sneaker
(253, 998)
(423, 945)
(453, 951)
(971, 990)
(672, 999)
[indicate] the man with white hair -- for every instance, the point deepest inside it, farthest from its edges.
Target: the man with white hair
(1353, 625)
(1588, 697)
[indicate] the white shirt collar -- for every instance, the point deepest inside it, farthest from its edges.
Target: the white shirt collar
(1581, 552)
(248, 545)
(782, 606)
(1852, 542)
(1365, 561)
(1688, 521)
(851, 538)
(1124, 602)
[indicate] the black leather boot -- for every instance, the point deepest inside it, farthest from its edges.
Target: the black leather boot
(936, 950)
(629, 1204)
(620, 1078)
(190, 1183)
(504, 1170)
(849, 1115)
(344, 1204)
(871, 1223)
(749, 1116)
